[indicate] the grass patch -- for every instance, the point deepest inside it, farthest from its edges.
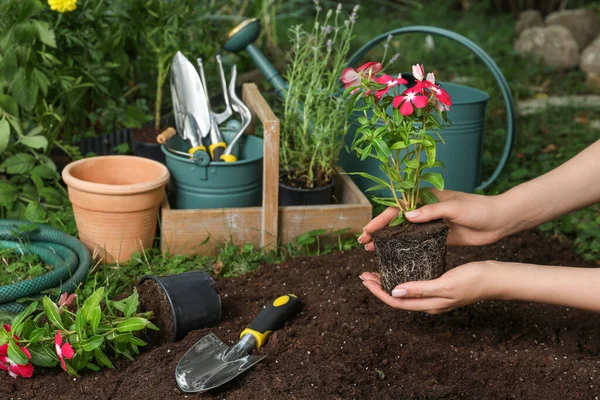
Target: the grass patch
(16, 267)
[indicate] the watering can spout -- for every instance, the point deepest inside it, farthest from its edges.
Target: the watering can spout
(242, 37)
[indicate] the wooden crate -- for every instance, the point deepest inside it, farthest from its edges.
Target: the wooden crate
(186, 231)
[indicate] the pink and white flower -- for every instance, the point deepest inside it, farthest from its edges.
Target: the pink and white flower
(389, 82)
(63, 350)
(14, 369)
(408, 98)
(352, 78)
(418, 72)
(65, 300)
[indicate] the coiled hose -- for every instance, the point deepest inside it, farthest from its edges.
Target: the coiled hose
(69, 257)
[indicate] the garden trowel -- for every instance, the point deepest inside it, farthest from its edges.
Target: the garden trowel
(211, 363)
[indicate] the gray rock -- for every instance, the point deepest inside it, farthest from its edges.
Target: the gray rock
(590, 58)
(528, 19)
(584, 24)
(555, 45)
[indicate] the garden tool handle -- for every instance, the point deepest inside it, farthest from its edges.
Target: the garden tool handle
(508, 99)
(165, 135)
(272, 318)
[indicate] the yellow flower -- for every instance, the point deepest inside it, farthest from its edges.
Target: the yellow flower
(62, 5)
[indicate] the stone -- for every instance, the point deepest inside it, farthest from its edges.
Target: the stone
(528, 19)
(590, 58)
(555, 45)
(584, 24)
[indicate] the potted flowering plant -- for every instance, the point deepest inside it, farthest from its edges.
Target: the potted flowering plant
(72, 335)
(313, 124)
(398, 139)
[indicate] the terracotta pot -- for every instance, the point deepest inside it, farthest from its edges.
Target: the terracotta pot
(115, 200)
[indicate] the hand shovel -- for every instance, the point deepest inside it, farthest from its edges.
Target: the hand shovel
(211, 363)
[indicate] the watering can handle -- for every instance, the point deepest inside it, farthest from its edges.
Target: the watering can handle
(508, 99)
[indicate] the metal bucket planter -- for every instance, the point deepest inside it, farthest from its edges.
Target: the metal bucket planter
(202, 184)
(463, 152)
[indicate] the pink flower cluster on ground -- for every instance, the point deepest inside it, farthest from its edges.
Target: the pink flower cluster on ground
(14, 369)
(424, 92)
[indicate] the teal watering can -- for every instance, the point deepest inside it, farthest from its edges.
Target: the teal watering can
(463, 150)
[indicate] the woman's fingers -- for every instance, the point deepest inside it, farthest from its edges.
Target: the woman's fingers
(431, 305)
(444, 210)
(380, 221)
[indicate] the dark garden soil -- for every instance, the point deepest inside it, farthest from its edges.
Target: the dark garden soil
(152, 297)
(146, 134)
(421, 245)
(346, 344)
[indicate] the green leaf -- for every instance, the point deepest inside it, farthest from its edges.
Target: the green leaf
(366, 152)
(16, 354)
(53, 196)
(44, 172)
(398, 145)
(92, 302)
(399, 219)
(371, 177)
(9, 105)
(406, 184)
(43, 356)
(377, 187)
(382, 149)
(36, 335)
(132, 324)
(413, 164)
(92, 367)
(435, 178)
(92, 343)
(16, 323)
(131, 304)
(95, 318)
(20, 163)
(35, 212)
(45, 34)
(428, 197)
(390, 202)
(430, 151)
(137, 341)
(24, 90)
(80, 323)
(52, 313)
(102, 359)
(35, 142)
(8, 194)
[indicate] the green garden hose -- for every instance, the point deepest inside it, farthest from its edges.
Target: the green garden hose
(69, 257)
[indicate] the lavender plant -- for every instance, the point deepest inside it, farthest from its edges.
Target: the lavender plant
(314, 120)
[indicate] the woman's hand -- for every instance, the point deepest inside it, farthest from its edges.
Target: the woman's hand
(458, 287)
(474, 219)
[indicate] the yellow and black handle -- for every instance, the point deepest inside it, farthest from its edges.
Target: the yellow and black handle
(194, 149)
(272, 318)
(217, 150)
(228, 158)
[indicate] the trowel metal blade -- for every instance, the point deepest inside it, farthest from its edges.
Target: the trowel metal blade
(203, 368)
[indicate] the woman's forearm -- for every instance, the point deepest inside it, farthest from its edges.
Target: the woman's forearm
(570, 187)
(564, 286)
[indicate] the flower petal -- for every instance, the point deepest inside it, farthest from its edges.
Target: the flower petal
(67, 351)
(385, 79)
(4, 350)
(6, 327)
(420, 101)
(27, 353)
(62, 299)
(58, 338)
(63, 365)
(430, 77)
(418, 72)
(349, 75)
(406, 108)
(371, 67)
(398, 100)
(26, 371)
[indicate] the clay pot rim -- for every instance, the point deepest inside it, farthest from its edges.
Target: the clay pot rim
(104, 188)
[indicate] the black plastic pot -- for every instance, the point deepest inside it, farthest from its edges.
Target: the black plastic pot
(148, 150)
(292, 196)
(195, 303)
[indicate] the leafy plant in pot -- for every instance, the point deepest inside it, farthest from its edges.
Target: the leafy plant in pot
(314, 120)
(405, 251)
